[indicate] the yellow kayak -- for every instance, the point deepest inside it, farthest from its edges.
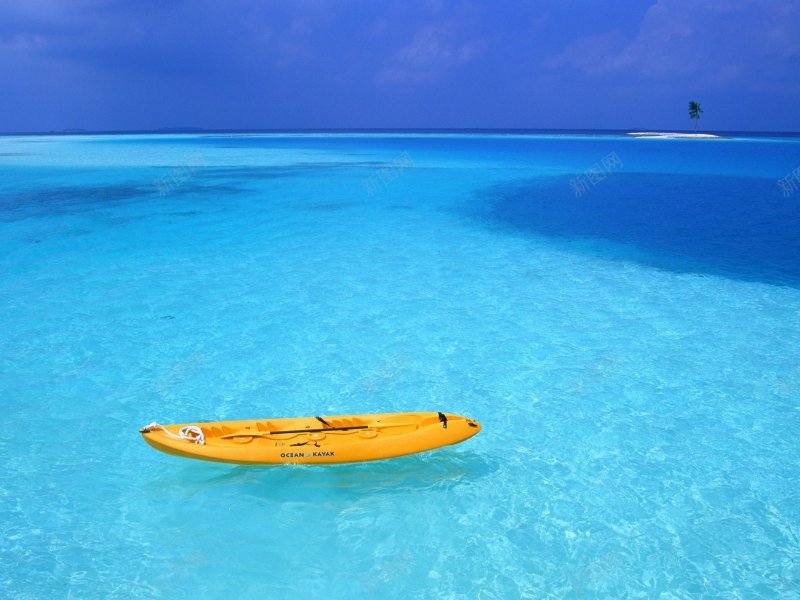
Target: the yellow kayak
(311, 440)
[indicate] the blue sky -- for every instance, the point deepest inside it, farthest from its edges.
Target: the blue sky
(239, 64)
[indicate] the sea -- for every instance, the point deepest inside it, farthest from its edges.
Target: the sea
(621, 315)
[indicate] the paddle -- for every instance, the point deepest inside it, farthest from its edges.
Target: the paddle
(317, 430)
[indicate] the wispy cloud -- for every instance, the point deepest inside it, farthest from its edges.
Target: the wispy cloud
(718, 41)
(147, 34)
(434, 50)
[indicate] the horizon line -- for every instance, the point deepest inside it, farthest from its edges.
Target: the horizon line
(378, 130)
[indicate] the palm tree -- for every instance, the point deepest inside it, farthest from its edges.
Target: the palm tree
(694, 112)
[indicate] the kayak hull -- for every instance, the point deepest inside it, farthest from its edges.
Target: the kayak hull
(313, 440)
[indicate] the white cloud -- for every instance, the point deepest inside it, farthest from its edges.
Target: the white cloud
(434, 50)
(717, 40)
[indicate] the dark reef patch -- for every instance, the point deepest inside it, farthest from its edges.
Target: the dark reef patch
(65, 199)
(738, 227)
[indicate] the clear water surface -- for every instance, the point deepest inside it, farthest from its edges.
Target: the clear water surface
(630, 343)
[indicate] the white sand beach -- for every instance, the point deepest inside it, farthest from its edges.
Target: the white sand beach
(675, 136)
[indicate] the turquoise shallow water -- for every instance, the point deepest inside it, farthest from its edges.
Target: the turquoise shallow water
(630, 346)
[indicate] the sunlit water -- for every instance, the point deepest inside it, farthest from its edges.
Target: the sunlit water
(621, 316)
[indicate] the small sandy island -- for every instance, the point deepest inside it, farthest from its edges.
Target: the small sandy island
(675, 136)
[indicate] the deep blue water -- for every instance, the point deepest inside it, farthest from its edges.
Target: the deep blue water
(630, 347)
(698, 223)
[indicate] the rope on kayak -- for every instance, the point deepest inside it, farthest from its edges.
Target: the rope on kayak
(191, 433)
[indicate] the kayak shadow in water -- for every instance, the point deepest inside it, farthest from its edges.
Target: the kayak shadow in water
(444, 468)
(735, 227)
